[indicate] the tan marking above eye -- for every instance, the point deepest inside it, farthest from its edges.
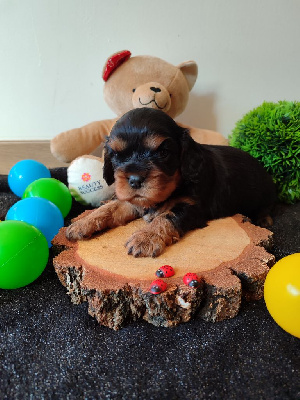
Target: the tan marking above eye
(153, 142)
(117, 144)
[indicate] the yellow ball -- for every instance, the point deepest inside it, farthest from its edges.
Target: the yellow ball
(282, 293)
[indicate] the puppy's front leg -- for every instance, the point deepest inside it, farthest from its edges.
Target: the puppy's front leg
(152, 240)
(166, 227)
(112, 214)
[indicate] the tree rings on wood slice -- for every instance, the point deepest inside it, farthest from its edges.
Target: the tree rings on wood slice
(229, 256)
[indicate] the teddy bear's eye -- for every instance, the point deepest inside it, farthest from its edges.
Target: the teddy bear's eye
(133, 90)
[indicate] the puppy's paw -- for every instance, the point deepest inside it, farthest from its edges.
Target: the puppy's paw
(81, 229)
(145, 243)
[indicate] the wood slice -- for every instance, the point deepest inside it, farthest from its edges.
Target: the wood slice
(229, 256)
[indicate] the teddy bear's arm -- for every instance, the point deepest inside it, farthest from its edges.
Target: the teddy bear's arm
(76, 142)
(205, 136)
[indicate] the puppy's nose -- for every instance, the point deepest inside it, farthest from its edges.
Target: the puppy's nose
(135, 181)
(155, 89)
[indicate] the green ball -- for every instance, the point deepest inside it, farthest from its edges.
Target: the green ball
(52, 190)
(24, 254)
(271, 134)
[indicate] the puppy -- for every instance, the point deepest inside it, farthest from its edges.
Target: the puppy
(176, 184)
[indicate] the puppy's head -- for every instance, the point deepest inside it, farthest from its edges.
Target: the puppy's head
(142, 157)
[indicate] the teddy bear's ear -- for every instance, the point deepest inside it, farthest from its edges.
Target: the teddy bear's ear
(190, 71)
(114, 62)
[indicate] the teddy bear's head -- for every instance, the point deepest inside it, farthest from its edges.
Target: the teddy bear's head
(145, 81)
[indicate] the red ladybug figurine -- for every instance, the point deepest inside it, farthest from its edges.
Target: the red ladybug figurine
(191, 279)
(158, 286)
(166, 271)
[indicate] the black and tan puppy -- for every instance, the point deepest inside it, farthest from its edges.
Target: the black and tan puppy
(176, 184)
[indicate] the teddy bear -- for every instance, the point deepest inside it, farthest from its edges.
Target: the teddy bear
(129, 82)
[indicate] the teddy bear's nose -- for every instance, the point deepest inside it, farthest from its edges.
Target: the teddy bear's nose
(155, 89)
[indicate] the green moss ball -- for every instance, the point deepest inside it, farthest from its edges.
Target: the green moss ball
(271, 133)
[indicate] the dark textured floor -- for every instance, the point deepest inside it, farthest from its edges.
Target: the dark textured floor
(51, 349)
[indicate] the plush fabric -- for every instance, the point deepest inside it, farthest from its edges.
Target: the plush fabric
(52, 349)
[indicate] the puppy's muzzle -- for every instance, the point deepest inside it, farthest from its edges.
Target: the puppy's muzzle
(135, 181)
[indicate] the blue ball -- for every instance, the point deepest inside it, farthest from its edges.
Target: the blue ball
(39, 212)
(25, 172)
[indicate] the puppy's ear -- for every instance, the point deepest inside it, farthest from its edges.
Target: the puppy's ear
(108, 170)
(191, 158)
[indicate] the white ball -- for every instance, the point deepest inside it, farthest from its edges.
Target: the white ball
(86, 182)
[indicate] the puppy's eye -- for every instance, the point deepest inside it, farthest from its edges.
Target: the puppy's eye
(112, 153)
(163, 153)
(133, 90)
(115, 154)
